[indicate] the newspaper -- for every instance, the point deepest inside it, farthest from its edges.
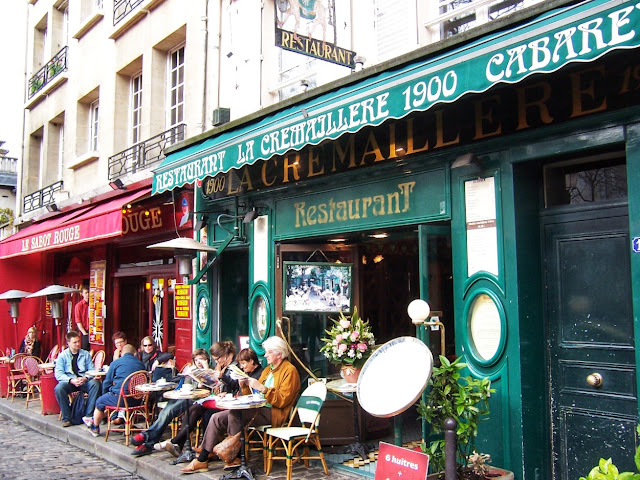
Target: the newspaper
(202, 376)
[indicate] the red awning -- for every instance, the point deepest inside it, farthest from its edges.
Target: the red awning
(103, 220)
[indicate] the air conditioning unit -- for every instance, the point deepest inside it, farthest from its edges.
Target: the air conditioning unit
(220, 116)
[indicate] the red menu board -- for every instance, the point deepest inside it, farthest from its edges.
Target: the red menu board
(397, 462)
(97, 278)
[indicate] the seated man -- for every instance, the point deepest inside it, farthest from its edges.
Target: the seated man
(279, 385)
(118, 372)
(71, 367)
(145, 440)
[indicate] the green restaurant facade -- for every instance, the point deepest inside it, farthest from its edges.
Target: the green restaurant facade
(506, 167)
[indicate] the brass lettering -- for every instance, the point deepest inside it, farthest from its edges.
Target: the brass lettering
(410, 148)
(483, 117)
(579, 94)
(341, 154)
(375, 149)
(266, 182)
(540, 104)
(314, 160)
(440, 141)
(292, 166)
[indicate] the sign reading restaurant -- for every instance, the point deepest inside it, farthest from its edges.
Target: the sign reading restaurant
(579, 33)
(317, 19)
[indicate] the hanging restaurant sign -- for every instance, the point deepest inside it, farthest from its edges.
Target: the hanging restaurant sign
(317, 17)
(576, 33)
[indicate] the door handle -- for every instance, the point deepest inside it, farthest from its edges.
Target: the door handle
(595, 380)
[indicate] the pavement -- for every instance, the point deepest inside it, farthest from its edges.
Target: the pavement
(114, 451)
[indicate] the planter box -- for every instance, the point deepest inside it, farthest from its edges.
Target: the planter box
(494, 474)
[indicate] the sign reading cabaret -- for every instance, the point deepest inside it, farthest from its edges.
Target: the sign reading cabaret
(573, 34)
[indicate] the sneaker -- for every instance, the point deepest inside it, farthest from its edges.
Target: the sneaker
(88, 421)
(142, 450)
(95, 429)
(138, 439)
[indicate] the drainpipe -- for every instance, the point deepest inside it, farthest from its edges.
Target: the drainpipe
(19, 181)
(205, 49)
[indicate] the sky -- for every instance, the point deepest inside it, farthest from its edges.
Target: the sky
(12, 37)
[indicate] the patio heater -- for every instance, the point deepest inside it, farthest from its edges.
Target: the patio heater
(55, 296)
(184, 250)
(14, 297)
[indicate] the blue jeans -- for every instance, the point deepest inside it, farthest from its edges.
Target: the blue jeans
(168, 413)
(63, 389)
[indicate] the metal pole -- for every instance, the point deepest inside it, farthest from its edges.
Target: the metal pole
(450, 449)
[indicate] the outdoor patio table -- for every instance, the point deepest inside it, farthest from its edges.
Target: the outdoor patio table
(342, 386)
(240, 403)
(187, 452)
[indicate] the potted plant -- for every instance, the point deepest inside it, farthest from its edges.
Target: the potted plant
(466, 400)
(348, 344)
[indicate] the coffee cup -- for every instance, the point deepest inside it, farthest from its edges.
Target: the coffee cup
(187, 388)
(161, 381)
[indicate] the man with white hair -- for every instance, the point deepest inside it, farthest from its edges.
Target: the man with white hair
(279, 385)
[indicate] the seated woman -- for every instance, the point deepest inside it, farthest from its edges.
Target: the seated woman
(144, 441)
(279, 385)
(30, 343)
(222, 353)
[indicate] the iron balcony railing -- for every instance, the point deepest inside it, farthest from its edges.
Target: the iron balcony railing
(145, 154)
(41, 197)
(122, 8)
(47, 73)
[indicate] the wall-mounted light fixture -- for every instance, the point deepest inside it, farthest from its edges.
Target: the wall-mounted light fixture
(52, 207)
(465, 160)
(199, 222)
(116, 184)
(359, 60)
(304, 84)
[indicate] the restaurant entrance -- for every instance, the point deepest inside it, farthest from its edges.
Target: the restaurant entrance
(389, 269)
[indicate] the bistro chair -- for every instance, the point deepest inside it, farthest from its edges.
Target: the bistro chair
(132, 403)
(175, 422)
(256, 441)
(98, 359)
(31, 370)
(53, 354)
(16, 376)
(295, 440)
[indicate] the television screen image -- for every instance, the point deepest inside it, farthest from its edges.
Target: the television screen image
(317, 287)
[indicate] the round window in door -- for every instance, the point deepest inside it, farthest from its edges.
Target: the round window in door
(486, 327)
(203, 312)
(260, 313)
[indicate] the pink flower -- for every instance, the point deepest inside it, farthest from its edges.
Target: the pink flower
(362, 347)
(354, 336)
(339, 338)
(345, 324)
(342, 348)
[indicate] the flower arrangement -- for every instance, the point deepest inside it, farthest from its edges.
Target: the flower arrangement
(349, 341)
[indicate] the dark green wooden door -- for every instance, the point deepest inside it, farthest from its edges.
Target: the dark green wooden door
(590, 327)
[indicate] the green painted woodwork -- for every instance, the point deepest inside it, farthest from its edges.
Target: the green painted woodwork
(365, 205)
(543, 45)
(232, 295)
(203, 301)
(633, 187)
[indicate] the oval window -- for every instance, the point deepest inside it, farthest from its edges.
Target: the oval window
(485, 327)
(259, 317)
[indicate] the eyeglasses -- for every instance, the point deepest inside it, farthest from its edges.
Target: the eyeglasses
(147, 344)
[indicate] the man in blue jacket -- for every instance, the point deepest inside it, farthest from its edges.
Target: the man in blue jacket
(119, 370)
(71, 372)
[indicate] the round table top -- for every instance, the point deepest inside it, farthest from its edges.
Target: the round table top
(184, 395)
(97, 373)
(5, 359)
(341, 386)
(156, 387)
(43, 366)
(243, 402)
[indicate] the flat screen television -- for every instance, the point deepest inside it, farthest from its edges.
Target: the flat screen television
(317, 287)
